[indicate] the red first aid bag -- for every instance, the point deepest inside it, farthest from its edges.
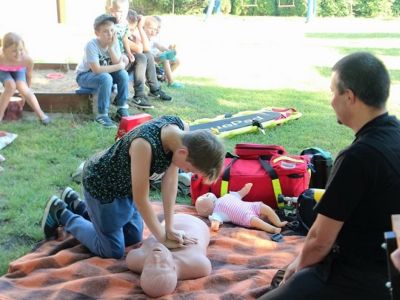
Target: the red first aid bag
(128, 123)
(272, 171)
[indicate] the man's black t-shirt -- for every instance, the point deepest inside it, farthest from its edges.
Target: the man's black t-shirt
(364, 191)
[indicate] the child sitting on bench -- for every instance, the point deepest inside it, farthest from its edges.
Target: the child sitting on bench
(16, 74)
(101, 67)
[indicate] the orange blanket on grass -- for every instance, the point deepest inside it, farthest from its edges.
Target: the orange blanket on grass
(243, 264)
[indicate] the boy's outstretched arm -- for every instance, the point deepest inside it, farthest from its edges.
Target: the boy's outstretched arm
(140, 152)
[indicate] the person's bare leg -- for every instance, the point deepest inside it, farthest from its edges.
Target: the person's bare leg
(31, 99)
(9, 90)
(262, 225)
(168, 71)
(267, 211)
(174, 64)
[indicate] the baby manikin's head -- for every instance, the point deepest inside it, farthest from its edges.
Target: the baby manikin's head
(205, 204)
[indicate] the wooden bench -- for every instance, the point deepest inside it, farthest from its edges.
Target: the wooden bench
(70, 102)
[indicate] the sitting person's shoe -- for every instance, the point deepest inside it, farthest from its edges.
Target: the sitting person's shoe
(176, 85)
(71, 198)
(114, 93)
(46, 121)
(160, 95)
(121, 112)
(51, 218)
(141, 102)
(105, 121)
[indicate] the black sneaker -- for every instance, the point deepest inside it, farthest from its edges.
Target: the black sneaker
(71, 198)
(141, 102)
(114, 93)
(160, 95)
(121, 112)
(51, 217)
(106, 122)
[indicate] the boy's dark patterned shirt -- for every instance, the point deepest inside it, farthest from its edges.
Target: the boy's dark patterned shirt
(107, 175)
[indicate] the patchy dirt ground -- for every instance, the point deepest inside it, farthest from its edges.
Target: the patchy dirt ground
(42, 83)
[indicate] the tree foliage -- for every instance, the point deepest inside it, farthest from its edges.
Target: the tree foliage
(325, 8)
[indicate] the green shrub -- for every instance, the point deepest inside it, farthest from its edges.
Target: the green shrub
(299, 8)
(372, 8)
(179, 7)
(334, 8)
(268, 8)
(325, 8)
(396, 8)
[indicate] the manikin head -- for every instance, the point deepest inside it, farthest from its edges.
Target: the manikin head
(159, 275)
(205, 204)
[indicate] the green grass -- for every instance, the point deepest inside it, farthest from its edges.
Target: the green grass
(375, 51)
(353, 35)
(40, 161)
(326, 72)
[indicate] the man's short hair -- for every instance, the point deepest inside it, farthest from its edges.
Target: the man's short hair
(366, 76)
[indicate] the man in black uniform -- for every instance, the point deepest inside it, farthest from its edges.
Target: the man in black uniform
(342, 256)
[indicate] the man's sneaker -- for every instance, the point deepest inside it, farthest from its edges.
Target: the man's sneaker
(71, 198)
(51, 218)
(106, 122)
(121, 112)
(160, 95)
(141, 102)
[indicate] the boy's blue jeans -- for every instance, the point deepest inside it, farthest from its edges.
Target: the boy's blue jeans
(113, 226)
(103, 83)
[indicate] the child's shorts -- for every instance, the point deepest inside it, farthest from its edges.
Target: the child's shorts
(19, 75)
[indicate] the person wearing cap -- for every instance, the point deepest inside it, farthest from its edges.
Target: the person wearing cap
(102, 67)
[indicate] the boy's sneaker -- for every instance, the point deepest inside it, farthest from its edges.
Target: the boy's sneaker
(71, 198)
(106, 122)
(176, 85)
(51, 218)
(121, 112)
(160, 95)
(141, 102)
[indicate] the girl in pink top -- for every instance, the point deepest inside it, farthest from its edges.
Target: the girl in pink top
(16, 74)
(231, 208)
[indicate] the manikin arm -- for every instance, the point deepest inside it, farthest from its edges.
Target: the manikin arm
(245, 190)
